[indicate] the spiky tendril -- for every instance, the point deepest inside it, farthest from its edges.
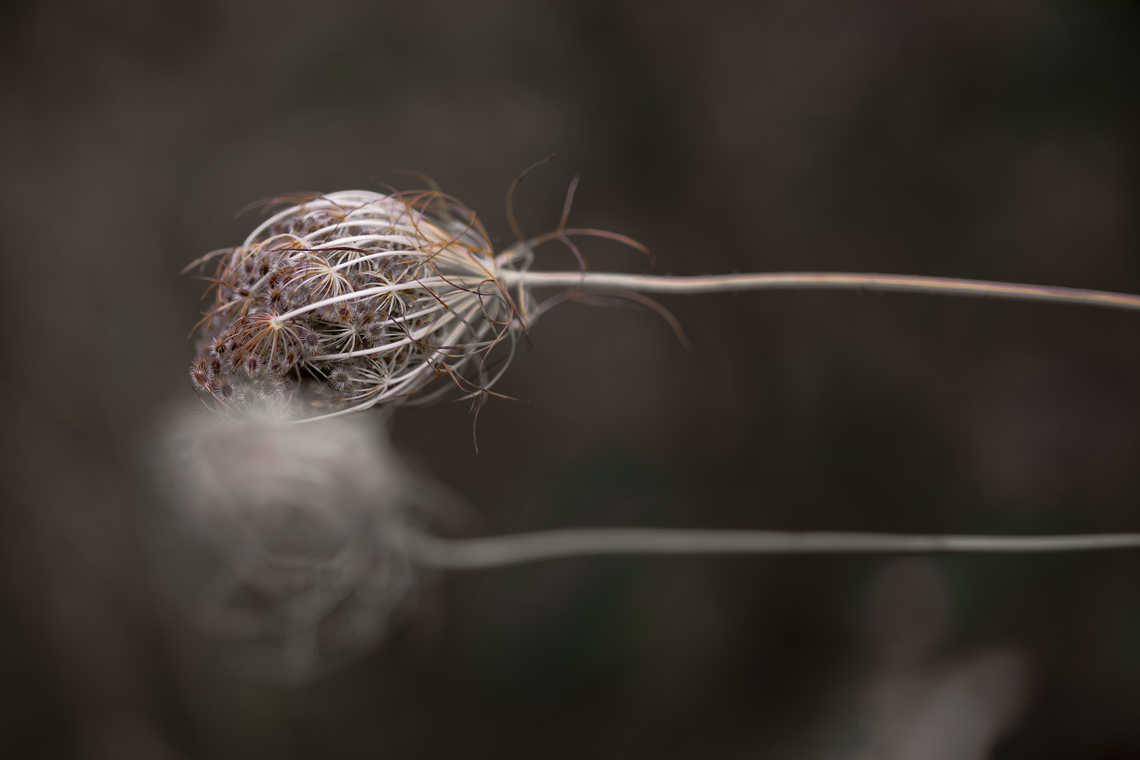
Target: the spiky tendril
(349, 300)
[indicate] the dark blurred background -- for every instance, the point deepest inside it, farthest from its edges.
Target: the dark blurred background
(969, 139)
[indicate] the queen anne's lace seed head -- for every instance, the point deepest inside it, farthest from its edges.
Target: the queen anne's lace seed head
(349, 300)
(306, 523)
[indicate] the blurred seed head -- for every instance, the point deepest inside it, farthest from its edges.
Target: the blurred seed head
(306, 521)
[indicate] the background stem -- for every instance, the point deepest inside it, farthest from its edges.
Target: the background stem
(477, 553)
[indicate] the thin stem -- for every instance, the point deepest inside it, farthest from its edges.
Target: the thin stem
(357, 294)
(479, 553)
(816, 281)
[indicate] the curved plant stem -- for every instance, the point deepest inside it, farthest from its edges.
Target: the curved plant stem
(815, 281)
(479, 553)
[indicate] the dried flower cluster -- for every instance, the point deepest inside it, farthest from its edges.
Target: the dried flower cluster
(348, 300)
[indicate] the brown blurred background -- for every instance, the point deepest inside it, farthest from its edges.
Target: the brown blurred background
(982, 140)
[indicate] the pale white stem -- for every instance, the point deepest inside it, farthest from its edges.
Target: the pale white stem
(352, 242)
(265, 225)
(358, 294)
(814, 280)
(422, 312)
(334, 229)
(397, 385)
(393, 346)
(384, 349)
(478, 553)
(387, 347)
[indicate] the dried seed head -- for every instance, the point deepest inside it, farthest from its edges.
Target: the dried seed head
(393, 290)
